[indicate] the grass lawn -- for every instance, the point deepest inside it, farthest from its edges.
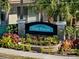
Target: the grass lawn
(5, 56)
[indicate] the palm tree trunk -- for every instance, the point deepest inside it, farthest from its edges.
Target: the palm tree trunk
(58, 18)
(41, 17)
(71, 22)
(69, 36)
(75, 33)
(49, 19)
(64, 35)
(0, 14)
(7, 17)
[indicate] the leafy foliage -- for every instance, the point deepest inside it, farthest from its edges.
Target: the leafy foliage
(70, 30)
(6, 42)
(28, 40)
(12, 28)
(66, 9)
(39, 40)
(5, 5)
(70, 46)
(14, 38)
(53, 39)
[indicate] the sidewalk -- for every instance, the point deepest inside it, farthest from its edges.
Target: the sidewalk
(34, 55)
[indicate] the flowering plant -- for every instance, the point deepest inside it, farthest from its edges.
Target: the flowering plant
(14, 37)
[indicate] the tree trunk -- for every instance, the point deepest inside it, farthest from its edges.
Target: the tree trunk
(64, 35)
(49, 19)
(69, 36)
(7, 17)
(0, 14)
(71, 22)
(40, 16)
(58, 18)
(75, 33)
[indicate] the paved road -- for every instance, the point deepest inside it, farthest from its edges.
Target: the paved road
(34, 55)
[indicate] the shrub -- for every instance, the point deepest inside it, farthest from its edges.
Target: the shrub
(29, 39)
(19, 47)
(52, 39)
(45, 43)
(77, 51)
(25, 47)
(28, 47)
(76, 43)
(41, 40)
(15, 38)
(8, 40)
(12, 28)
(23, 40)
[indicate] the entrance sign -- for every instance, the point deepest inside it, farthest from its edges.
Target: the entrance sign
(41, 28)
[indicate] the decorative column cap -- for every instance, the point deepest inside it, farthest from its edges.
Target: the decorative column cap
(21, 21)
(61, 23)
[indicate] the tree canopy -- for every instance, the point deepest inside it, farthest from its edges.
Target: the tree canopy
(65, 8)
(5, 5)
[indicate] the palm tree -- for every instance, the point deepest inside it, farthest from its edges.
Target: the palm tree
(44, 6)
(51, 10)
(40, 7)
(67, 8)
(5, 7)
(71, 10)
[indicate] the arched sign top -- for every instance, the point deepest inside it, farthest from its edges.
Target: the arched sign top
(41, 28)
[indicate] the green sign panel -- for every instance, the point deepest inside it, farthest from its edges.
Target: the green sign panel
(41, 28)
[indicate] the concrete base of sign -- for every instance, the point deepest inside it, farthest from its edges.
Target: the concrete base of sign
(61, 27)
(21, 27)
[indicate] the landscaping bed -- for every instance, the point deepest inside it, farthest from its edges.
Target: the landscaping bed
(49, 45)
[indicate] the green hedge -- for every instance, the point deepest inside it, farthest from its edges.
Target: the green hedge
(12, 28)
